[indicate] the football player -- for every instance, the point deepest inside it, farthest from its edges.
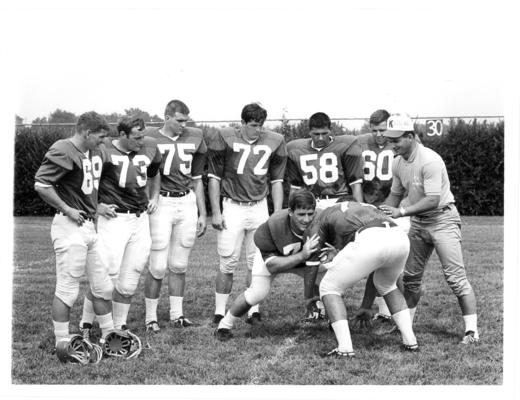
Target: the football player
(68, 180)
(369, 242)
(123, 226)
(242, 162)
(280, 249)
(181, 211)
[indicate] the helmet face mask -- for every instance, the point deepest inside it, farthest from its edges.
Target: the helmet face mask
(119, 343)
(74, 349)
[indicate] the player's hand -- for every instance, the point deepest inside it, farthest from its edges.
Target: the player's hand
(390, 211)
(201, 226)
(327, 253)
(218, 222)
(107, 210)
(311, 245)
(76, 215)
(363, 319)
(153, 205)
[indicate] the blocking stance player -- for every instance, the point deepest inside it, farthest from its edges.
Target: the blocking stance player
(422, 174)
(241, 164)
(280, 249)
(369, 242)
(181, 211)
(68, 181)
(123, 226)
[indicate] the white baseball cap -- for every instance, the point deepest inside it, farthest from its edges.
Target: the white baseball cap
(398, 124)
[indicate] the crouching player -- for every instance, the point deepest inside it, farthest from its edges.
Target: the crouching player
(369, 242)
(280, 249)
(123, 227)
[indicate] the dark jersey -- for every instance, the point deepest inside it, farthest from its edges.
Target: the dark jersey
(73, 174)
(328, 171)
(183, 158)
(245, 169)
(123, 181)
(275, 237)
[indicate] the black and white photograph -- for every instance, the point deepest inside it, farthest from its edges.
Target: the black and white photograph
(276, 199)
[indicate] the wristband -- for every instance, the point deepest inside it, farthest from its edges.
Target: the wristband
(402, 211)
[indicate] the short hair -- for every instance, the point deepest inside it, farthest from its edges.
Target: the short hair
(319, 120)
(176, 106)
(92, 121)
(127, 123)
(302, 199)
(378, 117)
(253, 112)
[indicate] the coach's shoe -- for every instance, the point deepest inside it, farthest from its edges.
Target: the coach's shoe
(181, 322)
(412, 348)
(217, 318)
(86, 330)
(254, 318)
(335, 353)
(383, 325)
(223, 334)
(152, 328)
(470, 337)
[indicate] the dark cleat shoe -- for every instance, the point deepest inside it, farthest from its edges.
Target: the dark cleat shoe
(223, 334)
(86, 331)
(254, 318)
(182, 322)
(152, 328)
(335, 353)
(383, 325)
(470, 337)
(217, 318)
(411, 348)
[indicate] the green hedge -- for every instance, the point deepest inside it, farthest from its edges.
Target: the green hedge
(473, 153)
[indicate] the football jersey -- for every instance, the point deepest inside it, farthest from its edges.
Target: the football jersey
(327, 171)
(377, 171)
(183, 158)
(245, 169)
(275, 238)
(337, 225)
(124, 176)
(73, 174)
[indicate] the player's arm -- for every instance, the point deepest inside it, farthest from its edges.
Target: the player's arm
(353, 163)
(198, 187)
(364, 315)
(49, 195)
(278, 264)
(277, 171)
(277, 195)
(214, 199)
(357, 191)
(153, 188)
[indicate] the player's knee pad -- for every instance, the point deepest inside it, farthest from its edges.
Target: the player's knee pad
(103, 289)
(257, 292)
(126, 289)
(67, 291)
(228, 264)
(328, 287)
(158, 264)
(178, 268)
(412, 283)
(460, 286)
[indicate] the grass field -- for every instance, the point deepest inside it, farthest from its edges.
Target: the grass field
(281, 350)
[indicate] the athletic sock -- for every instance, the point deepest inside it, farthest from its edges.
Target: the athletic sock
(403, 321)
(383, 308)
(88, 312)
(151, 309)
(61, 330)
(175, 307)
(253, 309)
(342, 332)
(470, 322)
(412, 313)
(120, 313)
(220, 303)
(228, 321)
(106, 323)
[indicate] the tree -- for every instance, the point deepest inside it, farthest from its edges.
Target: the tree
(18, 120)
(62, 117)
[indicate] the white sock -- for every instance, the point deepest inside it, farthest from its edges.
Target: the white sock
(88, 312)
(342, 332)
(253, 309)
(403, 320)
(120, 313)
(383, 308)
(61, 330)
(228, 321)
(412, 313)
(175, 307)
(470, 322)
(151, 309)
(220, 303)
(105, 323)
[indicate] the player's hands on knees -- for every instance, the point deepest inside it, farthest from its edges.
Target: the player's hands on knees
(201, 226)
(153, 205)
(76, 215)
(311, 246)
(390, 211)
(218, 222)
(107, 210)
(362, 319)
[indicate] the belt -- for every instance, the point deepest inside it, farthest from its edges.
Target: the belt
(378, 224)
(167, 193)
(439, 211)
(127, 211)
(330, 196)
(87, 218)
(242, 203)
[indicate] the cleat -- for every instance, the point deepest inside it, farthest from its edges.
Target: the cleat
(223, 334)
(412, 348)
(86, 331)
(383, 325)
(470, 337)
(254, 318)
(181, 322)
(335, 353)
(217, 318)
(152, 328)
